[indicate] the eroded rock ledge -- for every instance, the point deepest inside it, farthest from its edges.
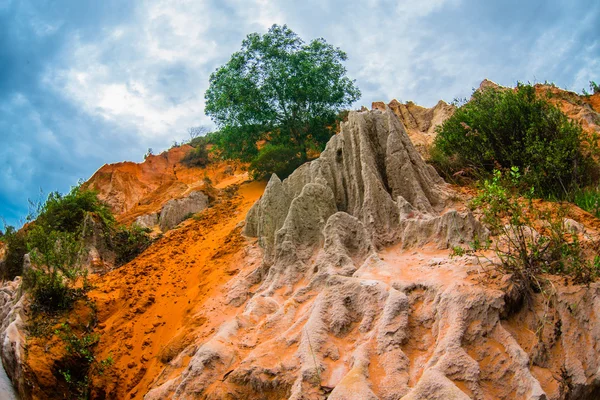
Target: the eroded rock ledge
(355, 300)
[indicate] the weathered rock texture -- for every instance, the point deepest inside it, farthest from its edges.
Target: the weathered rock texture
(420, 122)
(174, 212)
(331, 313)
(12, 336)
(177, 210)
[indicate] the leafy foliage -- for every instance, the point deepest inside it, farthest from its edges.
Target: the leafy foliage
(80, 363)
(279, 89)
(55, 267)
(501, 128)
(275, 159)
(129, 242)
(66, 212)
(594, 87)
(196, 157)
(589, 200)
(16, 242)
(525, 251)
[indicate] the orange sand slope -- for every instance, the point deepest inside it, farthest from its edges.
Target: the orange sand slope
(146, 308)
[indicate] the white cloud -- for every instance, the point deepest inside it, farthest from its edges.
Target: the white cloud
(111, 90)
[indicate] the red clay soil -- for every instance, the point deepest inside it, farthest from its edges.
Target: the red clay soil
(146, 307)
(134, 189)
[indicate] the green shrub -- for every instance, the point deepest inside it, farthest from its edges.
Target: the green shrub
(196, 157)
(66, 213)
(589, 200)
(501, 128)
(16, 242)
(55, 268)
(129, 242)
(275, 159)
(525, 252)
(80, 364)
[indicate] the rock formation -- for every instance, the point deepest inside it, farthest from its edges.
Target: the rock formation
(174, 211)
(420, 122)
(177, 210)
(12, 335)
(330, 308)
(342, 288)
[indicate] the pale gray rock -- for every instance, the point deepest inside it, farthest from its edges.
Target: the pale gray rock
(12, 335)
(148, 221)
(326, 315)
(177, 210)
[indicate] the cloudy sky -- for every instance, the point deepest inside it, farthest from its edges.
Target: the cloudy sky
(87, 82)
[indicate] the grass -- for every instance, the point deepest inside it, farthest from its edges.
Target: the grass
(589, 200)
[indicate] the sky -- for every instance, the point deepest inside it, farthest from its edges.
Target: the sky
(87, 82)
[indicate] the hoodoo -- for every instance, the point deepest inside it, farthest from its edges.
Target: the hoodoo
(354, 299)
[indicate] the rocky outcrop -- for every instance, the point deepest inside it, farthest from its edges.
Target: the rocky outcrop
(100, 257)
(147, 221)
(12, 336)
(174, 212)
(324, 302)
(371, 171)
(420, 122)
(177, 210)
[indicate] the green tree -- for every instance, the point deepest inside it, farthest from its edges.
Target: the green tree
(279, 89)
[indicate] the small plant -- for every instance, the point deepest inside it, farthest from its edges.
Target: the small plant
(589, 200)
(458, 251)
(594, 88)
(16, 242)
(149, 153)
(55, 268)
(129, 242)
(79, 364)
(532, 241)
(197, 157)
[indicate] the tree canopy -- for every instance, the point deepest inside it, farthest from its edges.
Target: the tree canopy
(279, 89)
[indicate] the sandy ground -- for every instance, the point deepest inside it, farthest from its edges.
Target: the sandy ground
(146, 308)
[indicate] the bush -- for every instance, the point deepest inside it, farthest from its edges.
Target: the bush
(501, 128)
(523, 250)
(66, 213)
(16, 242)
(196, 157)
(55, 268)
(594, 87)
(275, 159)
(129, 242)
(589, 200)
(80, 365)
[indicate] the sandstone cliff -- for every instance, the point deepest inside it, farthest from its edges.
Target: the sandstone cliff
(356, 297)
(136, 190)
(341, 286)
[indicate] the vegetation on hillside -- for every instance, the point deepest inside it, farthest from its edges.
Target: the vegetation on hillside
(54, 239)
(532, 239)
(594, 88)
(280, 90)
(518, 147)
(503, 128)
